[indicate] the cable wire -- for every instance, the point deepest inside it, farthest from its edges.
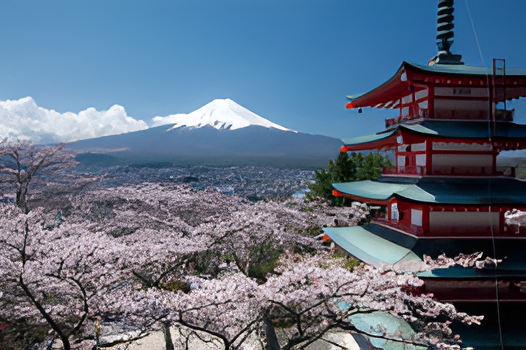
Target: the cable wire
(497, 296)
(475, 34)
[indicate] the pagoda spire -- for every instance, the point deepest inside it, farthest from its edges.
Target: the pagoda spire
(445, 25)
(445, 34)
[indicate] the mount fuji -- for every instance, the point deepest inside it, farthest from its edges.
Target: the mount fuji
(219, 114)
(221, 133)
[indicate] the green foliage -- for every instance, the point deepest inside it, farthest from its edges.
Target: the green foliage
(313, 231)
(176, 285)
(255, 198)
(307, 210)
(263, 260)
(349, 261)
(345, 168)
(123, 231)
(260, 271)
(207, 262)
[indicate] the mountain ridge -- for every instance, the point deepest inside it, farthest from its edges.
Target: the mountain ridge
(253, 145)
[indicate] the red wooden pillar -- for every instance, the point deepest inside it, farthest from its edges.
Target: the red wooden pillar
(494, 163)
(414, 105)
(429, 157)
(425, 220)
(431, 101)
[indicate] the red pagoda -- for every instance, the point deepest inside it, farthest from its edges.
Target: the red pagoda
(445, 192)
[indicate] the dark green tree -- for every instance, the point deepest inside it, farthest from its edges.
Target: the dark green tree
(346, 168)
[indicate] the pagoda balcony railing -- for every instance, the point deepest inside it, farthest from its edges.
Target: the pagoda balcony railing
(405, 170)
(463, 170)
(447, 170)
(391, 122)
(501, 115)
(422, 114)
(412, 229)
(481, 231)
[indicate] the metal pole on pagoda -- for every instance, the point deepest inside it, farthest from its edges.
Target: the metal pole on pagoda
(445, 34)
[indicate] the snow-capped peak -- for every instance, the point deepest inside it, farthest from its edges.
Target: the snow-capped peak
(220, 114)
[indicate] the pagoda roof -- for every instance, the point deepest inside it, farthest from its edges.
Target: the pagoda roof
(388, 91)
(362, 140)
(368, 247)
(446, 129)
(364, 243)
(376, 244)
(467, 129)
(414, 76)
(435, 190)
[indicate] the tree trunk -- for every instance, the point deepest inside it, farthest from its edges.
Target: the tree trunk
(167, 336)
(47, 317)
(270, 334)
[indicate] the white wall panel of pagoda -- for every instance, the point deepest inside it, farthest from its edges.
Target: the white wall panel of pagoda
(462, 223)
(430, 220)
(462, 164)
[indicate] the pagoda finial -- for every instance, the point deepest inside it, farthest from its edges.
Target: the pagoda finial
(445, 34)
(445, 25)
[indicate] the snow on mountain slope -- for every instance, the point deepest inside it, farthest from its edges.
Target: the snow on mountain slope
(220, 114)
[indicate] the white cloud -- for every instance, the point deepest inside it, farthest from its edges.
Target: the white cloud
(23, 119)
(171, 119)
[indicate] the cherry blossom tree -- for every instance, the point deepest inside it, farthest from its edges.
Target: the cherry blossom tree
(515, 217)
(296, 299)
(20, 162)
(53, 272)
(206, 227)
(308, 297)
(174, 231)
(312, 295)
(163, 255)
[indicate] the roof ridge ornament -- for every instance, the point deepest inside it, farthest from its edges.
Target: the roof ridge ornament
(445, 34)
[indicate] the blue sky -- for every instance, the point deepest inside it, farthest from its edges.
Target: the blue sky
(290, 61)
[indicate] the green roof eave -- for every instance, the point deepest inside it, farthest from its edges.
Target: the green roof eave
(368, 247)
(420, 129)
(383, 191)
(439, 190)
(467, 129)
(449, 129)
(368, 138)
(365, 243)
